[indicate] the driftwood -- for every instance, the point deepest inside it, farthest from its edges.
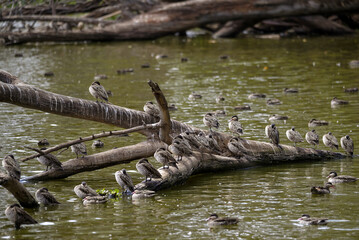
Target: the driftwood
(178, 17)
(252, 152)
(18, 190)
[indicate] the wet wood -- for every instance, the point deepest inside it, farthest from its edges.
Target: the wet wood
(320, 24)
(18, 190)
(233, 28)
(54, 18)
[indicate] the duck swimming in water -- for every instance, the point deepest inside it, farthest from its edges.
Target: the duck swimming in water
(347, 144)
(256, 95)
(322, 190)
(194, 96)
(334, 178)
(290, 90)
(98, 91)
(43, 142)
(276, 117)
(315, 123)
(330, 141)
(45, 197)
(98, 144)
(335, 102)
(307, 220)
(214, 220)
(273, 102)
(312, 138)
(94, 200)
(18, 216)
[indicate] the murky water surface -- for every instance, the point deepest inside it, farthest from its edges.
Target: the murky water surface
(267, 199)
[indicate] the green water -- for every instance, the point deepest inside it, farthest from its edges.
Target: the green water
(267, 200)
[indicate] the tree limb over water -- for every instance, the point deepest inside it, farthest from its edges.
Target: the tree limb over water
(178, 17)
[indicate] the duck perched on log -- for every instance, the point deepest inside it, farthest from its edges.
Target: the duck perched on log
(272, 133)
(210, 121)
(214, 220)
(49, 160)
(146, 169)
(334, 178)
(347, 144)
(164, 157)
(330, 141)
(235, 126)
(12, 166)
(294, 136)
(322, 190)
(98, 91)
(312, 138)
(83, 190)
(151, 109)
(79, 149)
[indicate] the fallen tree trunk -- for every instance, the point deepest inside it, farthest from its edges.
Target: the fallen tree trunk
(178, 17)
(55, 18)
(251, 152)
(18, 190)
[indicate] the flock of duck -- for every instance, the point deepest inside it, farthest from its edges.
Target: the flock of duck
(182, 145)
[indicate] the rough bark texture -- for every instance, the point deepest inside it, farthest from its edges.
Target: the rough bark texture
(18, 190)
(178, 17)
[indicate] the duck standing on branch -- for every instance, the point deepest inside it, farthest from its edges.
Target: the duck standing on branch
(180, 148)
(98, 91)
(125, 181)
(151, 109)
(146, 169)
(49, 160)
(347, 144)
(18, 216)
(334, 178)
(307, 220)
(83, 190)
(235, 147)
(192, 139)
(12, 166)
(45, 197)
(312, 138)
(164, 157)
(210, 121)
(79, 149)
(214, 220)
(272, 133)
(235, 126)
(330, 141)
(294, 136)
(322, 190)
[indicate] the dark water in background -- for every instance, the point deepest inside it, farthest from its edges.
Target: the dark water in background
(266, 199)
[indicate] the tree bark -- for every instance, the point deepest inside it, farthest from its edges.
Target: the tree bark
(18, 190)
(178, 17)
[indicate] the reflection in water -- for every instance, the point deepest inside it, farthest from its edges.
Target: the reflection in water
(266, 199)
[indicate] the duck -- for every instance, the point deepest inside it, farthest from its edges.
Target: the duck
(49, 74)
(273, 102)
(351, 90)
(213, 144)
(124, 180)
(138, 194)
(180, 149)
(164, 157)
(290, 90)
(194, 96)
(307, 220)
(172, 107)
(184, 59)
(276, 117)
(79, 149)
(191, 138)
(100, 76)
(235, 126)
(224, 57)
(18, 216)
(214, 220)
(256, 95)
(94, 200)
(234, 146)
(49, 160)
(219, 113)
(334, 178)
(242, 107)
(83, 190)
(151, 109)
(98, 91)
(294, 136)
(203, 139)
(210, 121)
(312, 137)
(330, 141)
(272, 133)
(146, 169)
(45, 197)
(12, 166)
(98, 144)
(335, 101)
(220, 99)
(145, 65)
(347, 144)
(43, 142)
(183, 140)
(315, 123)
(322, 190)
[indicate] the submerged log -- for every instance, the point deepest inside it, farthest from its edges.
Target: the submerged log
(250, 152)
(18, 190)
(179, 17)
